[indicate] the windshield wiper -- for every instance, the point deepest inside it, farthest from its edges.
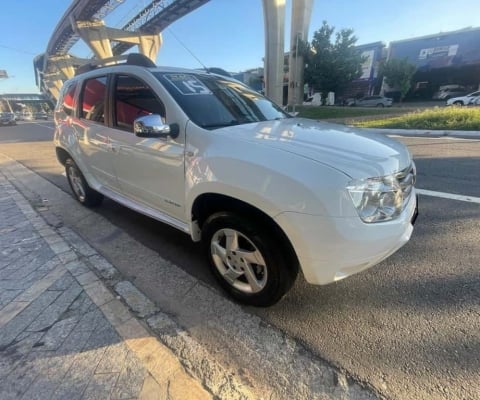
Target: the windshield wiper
(221, 125)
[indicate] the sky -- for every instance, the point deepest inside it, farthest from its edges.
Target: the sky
(224, 33)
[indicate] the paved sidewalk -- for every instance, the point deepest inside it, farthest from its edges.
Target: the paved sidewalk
(63, 334)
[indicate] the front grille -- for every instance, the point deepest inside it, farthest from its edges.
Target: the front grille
(406, 178)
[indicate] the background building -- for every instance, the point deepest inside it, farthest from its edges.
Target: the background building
(442, 59)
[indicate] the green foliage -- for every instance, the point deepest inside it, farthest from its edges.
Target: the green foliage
(450, 118)
(398, 74)
(331, 112)
(331, 64)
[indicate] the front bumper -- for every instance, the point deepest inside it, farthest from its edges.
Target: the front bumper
(330, 249)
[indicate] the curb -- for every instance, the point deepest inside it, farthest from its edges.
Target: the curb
(425, 133)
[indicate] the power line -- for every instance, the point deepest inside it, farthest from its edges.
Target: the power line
(18, 50)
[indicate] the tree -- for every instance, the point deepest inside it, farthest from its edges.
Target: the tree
(398, 74)
(331, 65)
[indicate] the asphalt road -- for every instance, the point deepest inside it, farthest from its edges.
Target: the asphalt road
(410, 327)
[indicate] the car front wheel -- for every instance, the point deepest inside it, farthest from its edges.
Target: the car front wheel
(249, 262)
(83, 193)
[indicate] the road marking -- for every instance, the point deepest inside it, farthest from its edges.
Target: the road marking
(451, 196)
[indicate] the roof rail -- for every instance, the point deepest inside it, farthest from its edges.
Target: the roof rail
(129, 59)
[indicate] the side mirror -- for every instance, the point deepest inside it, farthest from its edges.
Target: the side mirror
(152, 126)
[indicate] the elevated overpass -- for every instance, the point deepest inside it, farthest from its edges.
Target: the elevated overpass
(56, 65)
(84, 19)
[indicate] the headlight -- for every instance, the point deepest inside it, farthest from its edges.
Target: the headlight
(377, 199)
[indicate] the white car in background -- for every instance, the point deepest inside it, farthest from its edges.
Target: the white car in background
(266, 193)
(469, 99)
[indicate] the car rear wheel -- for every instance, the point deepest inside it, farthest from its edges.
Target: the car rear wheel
(381, 105)
(83, 193)
(248, 261)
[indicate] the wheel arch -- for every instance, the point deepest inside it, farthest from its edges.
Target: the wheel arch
(62, 155)
(207, 204)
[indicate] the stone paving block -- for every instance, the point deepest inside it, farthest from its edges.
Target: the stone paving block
(157, 359)
(11, 310)
(12, 355)
(75, 241)
(116, 312)
(136, 300)
(20, 379)
(20, 269)
(48, 317)
(100, 386)
(98, 293)
(41, 284)
(48, 379)
(81, 304)
(40, 274)
(91, 320)
(13, 257)
(16, 326)
(131, 378)
(77, 267)
(78, 376)
(87, 278)
(105, 269)
(101, 338)
(74, 343)
(113, 359)
(60, 247)
(151, 390)
(67, 256)
(57, 334)
(63, 283)
(6, 296)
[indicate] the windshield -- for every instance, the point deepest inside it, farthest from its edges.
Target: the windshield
(212, 101)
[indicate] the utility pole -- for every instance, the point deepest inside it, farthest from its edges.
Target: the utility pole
(295, 73)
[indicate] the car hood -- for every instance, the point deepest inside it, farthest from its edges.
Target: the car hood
(356, 152)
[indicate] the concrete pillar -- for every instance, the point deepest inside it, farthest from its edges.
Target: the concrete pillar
(94, 34)
(53, 84)
(274, 17)
(301, 15)
(99, 37)
(64, 64)
(150, 45)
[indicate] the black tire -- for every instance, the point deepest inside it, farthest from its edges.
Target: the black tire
(82, 192)
(458, 103)
(381, 105)
(273, 272)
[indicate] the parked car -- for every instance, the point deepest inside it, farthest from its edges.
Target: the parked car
(27, 116)
(7, 118)
(267, 194)
(464, 100)
(374, 101)
(41, 115)
(446, 92)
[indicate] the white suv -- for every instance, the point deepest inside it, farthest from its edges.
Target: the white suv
(266, 193)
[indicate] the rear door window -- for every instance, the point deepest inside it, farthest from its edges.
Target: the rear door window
(68, 101)
(93, 99)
